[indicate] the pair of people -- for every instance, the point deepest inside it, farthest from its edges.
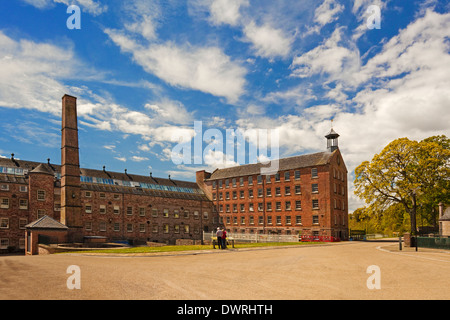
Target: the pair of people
(221, 238)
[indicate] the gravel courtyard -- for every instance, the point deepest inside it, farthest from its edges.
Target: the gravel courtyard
(334, 271)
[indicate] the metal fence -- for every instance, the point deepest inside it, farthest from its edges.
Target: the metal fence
(255, 237)
(434, 242)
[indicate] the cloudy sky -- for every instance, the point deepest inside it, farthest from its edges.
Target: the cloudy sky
(145, 70)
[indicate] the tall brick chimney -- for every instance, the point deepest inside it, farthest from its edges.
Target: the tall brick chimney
(70, 167)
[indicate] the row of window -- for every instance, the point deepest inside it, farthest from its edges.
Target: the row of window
(278, 220)
(259, 179)
(142, 227)
(5, 187)
(338, 204)
(101, 195)
(287, 191)
(154, 212)
(251, 208)
(338, 174)
(276, 231)
(4, 243)
(5, 203)
(5, 224)
(23, 204)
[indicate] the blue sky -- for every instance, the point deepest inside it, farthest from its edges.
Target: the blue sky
(144, 71)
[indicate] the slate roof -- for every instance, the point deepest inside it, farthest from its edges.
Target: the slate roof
(46, 223)
(50, 168)
(296, 162)
(41, 168)
(332, 134)
(8, 178)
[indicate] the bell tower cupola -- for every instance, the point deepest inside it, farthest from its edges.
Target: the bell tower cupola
(332, 140)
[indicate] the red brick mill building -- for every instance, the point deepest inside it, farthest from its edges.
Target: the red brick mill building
(49, 203)
(307, 196)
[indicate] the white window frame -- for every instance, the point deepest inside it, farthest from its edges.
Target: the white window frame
(40, 213)
(22, 223)
(4, 243)
(41, 194)
(4, 223)
(4, 203)
(129, 227)
(24, 205)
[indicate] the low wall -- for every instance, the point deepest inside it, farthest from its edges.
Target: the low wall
(187, 242)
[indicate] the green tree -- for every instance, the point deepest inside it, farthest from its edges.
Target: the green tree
(436, 183)
(405, 172)
(393, 219)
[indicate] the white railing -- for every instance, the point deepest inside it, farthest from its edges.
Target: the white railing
(255, 237)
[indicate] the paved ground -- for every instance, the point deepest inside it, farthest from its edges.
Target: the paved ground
(335, 271)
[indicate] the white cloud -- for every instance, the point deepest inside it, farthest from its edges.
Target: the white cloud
(33, 133)
(321, 112)
(33, 76)
(207, 69)
(187, 172)
(169, 111)
(139, 159)
(216, 122)
(142, 17)
(218, 12)
(324, 14)
(422, 46)
(145, 27)
(94, 8)
(298, 95)
(110, 147)
(31, 72)
(406, 93)
(360, 6)
(218, 159)
(331, 58)
(267, 41)
(226, 11)
(337, 93)
(144, 147)
(360, 11)
(270, 27)
(253, 109)
(40, 4)
(327, 12)
(90, 6)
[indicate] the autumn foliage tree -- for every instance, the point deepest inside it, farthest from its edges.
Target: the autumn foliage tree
(407, 172)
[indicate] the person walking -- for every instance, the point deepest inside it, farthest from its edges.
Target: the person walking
(224, 238)
(219, 234)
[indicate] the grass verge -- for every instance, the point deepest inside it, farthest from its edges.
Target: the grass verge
(145, 249)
